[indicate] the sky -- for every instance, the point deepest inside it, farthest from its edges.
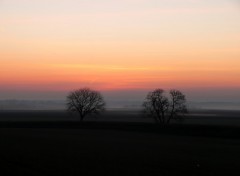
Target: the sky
(120, 47)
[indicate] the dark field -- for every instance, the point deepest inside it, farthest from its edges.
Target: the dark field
(119, 143)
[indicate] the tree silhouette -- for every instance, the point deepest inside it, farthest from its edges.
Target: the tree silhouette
(156, 105)
(164, 109)
(85, 102)
(178, 106)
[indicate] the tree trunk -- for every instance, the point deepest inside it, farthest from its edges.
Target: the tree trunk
(81, 118)
(168, 120)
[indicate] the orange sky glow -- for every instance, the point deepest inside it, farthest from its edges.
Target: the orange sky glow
(126, 45)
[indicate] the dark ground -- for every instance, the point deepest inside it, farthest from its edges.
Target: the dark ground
(51, 147)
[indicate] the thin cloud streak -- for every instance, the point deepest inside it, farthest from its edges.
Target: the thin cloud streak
(101, 67)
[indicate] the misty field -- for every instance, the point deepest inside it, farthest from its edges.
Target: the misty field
(117, 148)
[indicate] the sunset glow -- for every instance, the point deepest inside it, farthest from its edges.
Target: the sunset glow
(48, 45)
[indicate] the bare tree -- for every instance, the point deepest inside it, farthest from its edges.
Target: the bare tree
(162, 108)
(178, 107)
(85, 102)
(156, 105)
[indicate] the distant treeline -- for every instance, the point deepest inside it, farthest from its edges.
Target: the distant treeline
(111, 104)
(31, 105)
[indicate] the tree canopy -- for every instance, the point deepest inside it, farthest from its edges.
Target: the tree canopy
(165, 108)
(85, 101)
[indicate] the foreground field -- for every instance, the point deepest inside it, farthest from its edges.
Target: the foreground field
(117, 148)
(197, 117)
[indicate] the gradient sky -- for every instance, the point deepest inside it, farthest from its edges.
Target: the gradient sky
(114, 45)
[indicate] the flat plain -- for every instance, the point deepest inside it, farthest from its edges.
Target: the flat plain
(118, 143)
